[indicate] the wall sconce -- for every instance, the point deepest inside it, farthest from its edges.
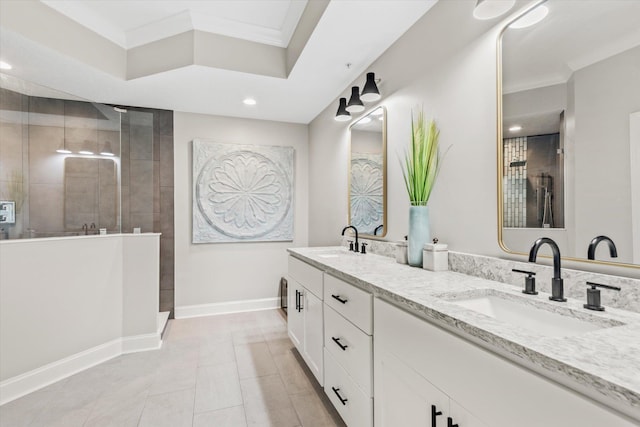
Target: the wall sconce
(489, 9)
(106, 150)
(342, 115)
(63, 149)
(85, 149)
(370, 93)
(355, 104)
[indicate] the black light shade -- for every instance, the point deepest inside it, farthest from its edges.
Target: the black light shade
(355, 104)
(343, 115)
(370, 90)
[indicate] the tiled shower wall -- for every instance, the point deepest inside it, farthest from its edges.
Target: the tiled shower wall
(147, 185)
(514, 182)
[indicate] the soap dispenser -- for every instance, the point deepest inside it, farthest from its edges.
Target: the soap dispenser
(401, 252)
(435, 256)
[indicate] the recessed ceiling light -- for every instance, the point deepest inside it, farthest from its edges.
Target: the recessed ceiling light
(515, 128)
(249, 101)
(531, 18)
(5, 65)
(85, 152)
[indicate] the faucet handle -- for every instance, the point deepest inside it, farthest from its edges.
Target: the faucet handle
(529, 282)
(364, 248)
(593, 295)
(350, 245)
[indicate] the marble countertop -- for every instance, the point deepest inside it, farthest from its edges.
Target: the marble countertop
(604, 362)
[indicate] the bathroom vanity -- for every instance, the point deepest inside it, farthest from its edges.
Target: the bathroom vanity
(405, 346)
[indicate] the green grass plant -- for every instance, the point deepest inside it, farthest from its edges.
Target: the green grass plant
(421, 160)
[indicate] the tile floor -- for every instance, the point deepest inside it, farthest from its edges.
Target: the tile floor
(230, 370)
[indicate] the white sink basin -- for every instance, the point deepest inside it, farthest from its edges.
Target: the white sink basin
(540, 319)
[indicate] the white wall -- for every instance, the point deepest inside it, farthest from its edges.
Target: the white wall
(606, 94)
(455, 79)
(213, 275)
(69, 303)
(458, 89)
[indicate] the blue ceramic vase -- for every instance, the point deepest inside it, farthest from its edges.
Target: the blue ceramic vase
(419, 233)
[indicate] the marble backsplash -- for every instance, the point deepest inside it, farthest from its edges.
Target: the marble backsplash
(491, 268)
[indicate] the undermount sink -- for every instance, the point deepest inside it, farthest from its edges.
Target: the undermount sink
(541, 319)
(332, 253)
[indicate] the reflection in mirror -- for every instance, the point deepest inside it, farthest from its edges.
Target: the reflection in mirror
(570, 130)
(367, 174)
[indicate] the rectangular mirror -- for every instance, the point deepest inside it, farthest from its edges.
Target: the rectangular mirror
(368, 174)
(569, 132)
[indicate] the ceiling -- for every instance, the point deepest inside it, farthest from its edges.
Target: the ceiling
(291, 56)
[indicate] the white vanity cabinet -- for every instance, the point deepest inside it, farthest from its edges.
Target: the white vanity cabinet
(305, 314)
(348, 351)
(418, 364)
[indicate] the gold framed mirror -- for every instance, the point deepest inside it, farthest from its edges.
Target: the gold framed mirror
(368, 174)
(569, 130)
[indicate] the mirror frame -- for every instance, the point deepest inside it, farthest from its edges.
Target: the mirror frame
(500, 157)
(385, 223)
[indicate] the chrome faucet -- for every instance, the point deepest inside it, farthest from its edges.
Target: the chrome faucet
(356, 248)
(591, 253)
(557, 286)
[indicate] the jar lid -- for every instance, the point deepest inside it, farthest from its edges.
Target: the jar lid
(435, 247)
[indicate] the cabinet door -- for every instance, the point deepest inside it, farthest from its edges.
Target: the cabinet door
(462, 417)
(404, 398)
(313, 334)
(295, 314)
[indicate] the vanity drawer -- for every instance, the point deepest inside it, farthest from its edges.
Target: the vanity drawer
(356, 408)
(308, 276)
(353, 303)
(352, 350)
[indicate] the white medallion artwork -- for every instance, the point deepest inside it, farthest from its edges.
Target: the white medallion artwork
(242, 193)
(366, 191)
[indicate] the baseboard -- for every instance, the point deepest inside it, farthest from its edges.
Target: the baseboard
(31, 381)
(163, 319)
(226, 307)
(138, 343)
(20, 385)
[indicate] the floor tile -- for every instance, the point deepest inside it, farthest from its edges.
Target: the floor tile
(255, 360)
(119, 409)
(173, 377)
(238, 369)
(280, 346)
(217, 387)
(266, 402)
(296, 380)
(228, 417)
(216, 353)
(314, 412)
(247, 336)
(168, 410)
